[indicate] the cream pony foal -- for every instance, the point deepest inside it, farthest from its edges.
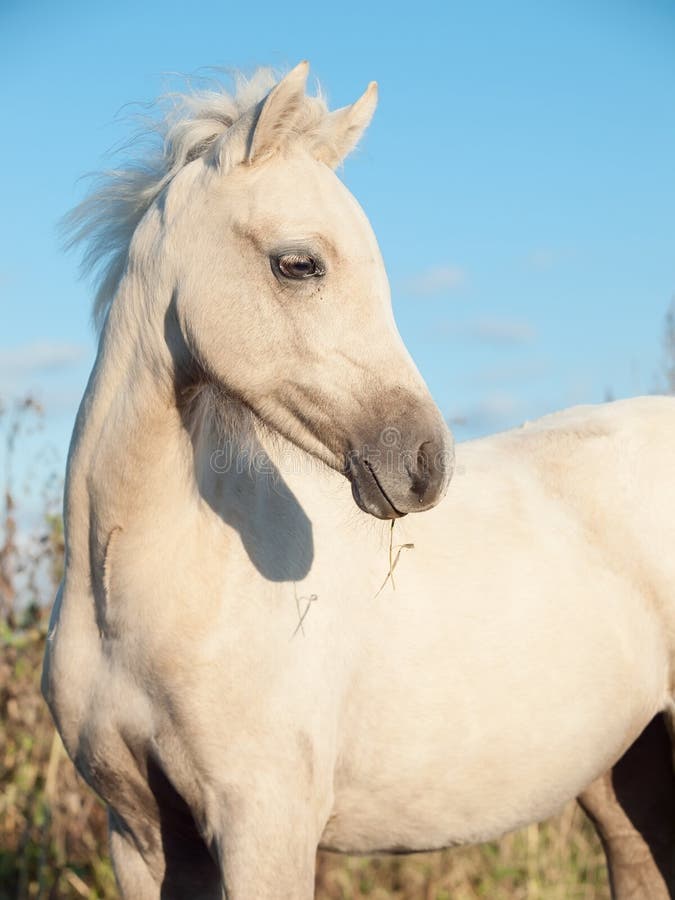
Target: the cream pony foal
(224, 664)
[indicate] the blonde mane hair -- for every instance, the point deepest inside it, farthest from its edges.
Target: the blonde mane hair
(185, 127)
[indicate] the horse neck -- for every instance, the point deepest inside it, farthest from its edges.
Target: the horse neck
(142, 461)
(126, 433)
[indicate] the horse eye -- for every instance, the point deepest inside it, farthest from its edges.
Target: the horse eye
(298, 265)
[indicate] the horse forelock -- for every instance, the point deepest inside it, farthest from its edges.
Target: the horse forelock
(185, 126)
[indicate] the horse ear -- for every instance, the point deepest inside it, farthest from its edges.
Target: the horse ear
(344, 127)
(278, 113)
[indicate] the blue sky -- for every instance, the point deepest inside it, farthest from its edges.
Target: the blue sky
(519, 174)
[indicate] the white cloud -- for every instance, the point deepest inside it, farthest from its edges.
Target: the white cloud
(492, 412)
(495, 330)
(436, 280)
(542, 259)
(40, 356)
(511, 372)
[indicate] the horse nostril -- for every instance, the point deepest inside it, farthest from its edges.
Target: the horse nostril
(420, 475)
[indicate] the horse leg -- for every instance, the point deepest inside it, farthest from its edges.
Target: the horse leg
(267, 839)
(161, 855)
(633, 810)
(268, 860)
(134, 875)
(255, 867)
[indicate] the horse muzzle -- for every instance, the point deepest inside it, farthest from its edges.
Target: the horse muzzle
(398, 473)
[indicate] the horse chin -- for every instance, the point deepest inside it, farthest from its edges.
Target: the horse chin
(369, 495)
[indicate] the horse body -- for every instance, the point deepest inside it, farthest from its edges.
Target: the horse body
(512, 661)
(235, 664)
(519, 656)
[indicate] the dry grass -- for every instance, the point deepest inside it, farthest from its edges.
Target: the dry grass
(560, 860)
(52, 827)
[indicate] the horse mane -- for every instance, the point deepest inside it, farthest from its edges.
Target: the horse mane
(184, 127)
